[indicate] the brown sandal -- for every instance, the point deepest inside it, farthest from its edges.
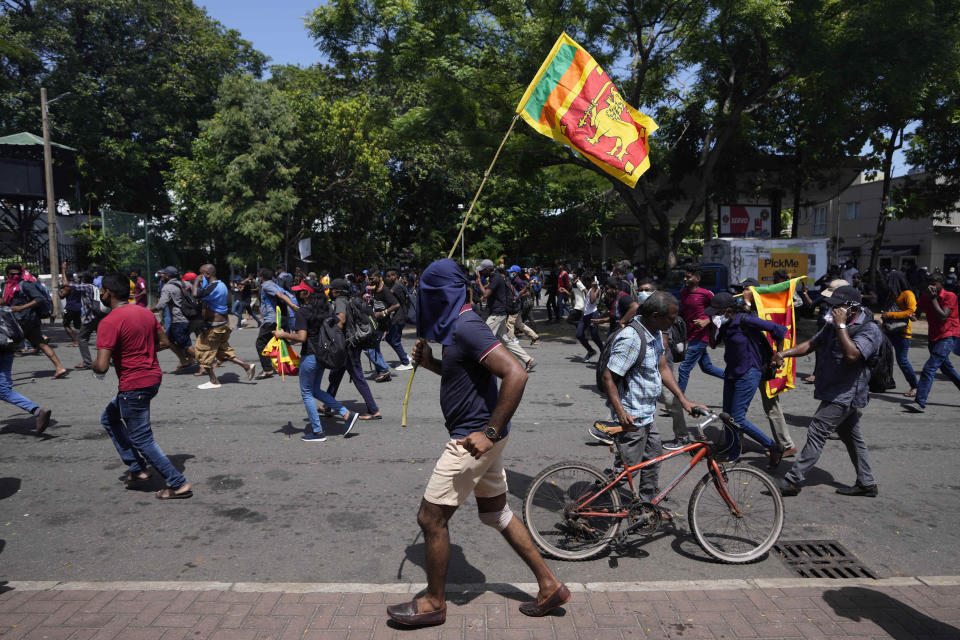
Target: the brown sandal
(559, 597)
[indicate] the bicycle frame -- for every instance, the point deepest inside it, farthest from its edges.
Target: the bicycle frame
(699, 451)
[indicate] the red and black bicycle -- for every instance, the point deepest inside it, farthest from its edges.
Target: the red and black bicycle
(574, 511)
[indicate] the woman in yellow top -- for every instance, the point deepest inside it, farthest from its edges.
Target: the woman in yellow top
(901, 305)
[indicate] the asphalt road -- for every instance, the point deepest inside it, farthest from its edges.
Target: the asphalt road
(268, 507)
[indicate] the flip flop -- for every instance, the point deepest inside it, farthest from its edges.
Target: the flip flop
(263, 376)
(910, 394)
(559, 597)
(371, 417)
(170, 494)
(62, 374)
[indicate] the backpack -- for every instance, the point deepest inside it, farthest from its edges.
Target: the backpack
(42, 296)
(513, 298)
(189, 306)
(677, 338)
(327, 344)
(11, 335)
(608, 346)
(360, 328)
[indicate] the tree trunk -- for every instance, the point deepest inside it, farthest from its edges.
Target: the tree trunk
(891, 146)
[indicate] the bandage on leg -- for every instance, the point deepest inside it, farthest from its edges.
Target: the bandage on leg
(499, 520)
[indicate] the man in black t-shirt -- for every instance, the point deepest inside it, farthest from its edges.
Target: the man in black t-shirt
(499, 298)
(395, 331)
(385, 305)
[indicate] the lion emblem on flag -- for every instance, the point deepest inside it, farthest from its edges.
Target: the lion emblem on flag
(609, 123)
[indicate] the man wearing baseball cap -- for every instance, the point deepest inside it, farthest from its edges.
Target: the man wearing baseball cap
(498, 298)
(846, 348)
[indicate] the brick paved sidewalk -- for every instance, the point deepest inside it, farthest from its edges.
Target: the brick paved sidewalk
(898, 608)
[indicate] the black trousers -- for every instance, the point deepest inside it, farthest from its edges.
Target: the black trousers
(266, 332)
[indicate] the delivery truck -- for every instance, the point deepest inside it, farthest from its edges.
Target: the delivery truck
(729, 261)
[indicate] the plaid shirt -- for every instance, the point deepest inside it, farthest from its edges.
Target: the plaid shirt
(640, 383)
(89, 299)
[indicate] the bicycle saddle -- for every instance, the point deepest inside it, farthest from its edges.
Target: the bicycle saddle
(608, 426)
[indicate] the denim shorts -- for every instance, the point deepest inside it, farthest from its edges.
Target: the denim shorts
(179, 334)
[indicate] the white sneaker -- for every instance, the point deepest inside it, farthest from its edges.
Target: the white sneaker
(403, 367)
(208, 385)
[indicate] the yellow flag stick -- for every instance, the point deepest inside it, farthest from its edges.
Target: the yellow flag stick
(466, 218)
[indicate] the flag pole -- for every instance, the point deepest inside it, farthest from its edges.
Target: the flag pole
(463, 226)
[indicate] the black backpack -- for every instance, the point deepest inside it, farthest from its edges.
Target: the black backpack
(881, 373)
(677, 337)
(608, 345)
(38, 292)
(11, 335)
(513, 298)
(326, 342)
(360, 328)
(189, 307)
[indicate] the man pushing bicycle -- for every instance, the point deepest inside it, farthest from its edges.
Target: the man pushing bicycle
(632, 380)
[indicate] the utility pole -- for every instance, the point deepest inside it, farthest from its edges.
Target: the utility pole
(51, 207)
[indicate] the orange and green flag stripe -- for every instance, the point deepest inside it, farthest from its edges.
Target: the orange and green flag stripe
(573, 101)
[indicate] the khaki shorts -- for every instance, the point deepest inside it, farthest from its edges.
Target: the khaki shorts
(458, 474)
(214, 345)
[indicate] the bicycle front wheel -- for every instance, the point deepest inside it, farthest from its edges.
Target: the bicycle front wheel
(557, 518)
(742, 532)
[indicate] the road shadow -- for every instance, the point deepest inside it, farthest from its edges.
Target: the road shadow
(289, 430)
(794, 420)
(8, 487)
(26, 427)
(155, 481)
(898, 619)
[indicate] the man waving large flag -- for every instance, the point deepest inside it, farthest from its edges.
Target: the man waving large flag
(573, 101)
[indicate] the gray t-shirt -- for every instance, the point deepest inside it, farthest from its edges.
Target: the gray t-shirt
(837, 379)
(340, 304)
(269, 300)
(172, 295)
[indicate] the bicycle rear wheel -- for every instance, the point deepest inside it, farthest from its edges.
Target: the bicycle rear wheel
(557, 524)
(736, 537)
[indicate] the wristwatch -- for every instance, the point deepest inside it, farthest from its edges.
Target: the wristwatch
(841, 326)
(491, 434)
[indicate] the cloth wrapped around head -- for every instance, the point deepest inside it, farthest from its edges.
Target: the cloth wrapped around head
(440, 296)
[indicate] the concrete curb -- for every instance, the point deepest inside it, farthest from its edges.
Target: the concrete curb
(589, 587)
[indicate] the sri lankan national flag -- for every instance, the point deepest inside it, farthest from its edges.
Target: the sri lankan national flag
(775, 303)
(573, 101)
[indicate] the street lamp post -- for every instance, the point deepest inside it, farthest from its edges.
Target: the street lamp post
(51, 204)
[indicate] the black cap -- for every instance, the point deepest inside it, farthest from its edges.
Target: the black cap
(720, 303)
(843, 296)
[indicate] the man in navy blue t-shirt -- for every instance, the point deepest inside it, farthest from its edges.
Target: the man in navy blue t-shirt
(477, 417)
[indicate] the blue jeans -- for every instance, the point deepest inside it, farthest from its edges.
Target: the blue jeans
(586, 326)
(127, 420)
(737, 395)
(696, 352)
(311, 377)
(562, 309)
(377, 358)
(939, 359)
(901, 347)
(6, 385)
(393, 335)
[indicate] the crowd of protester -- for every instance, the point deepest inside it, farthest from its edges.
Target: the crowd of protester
(195, 313)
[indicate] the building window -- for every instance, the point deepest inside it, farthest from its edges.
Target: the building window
(853, 211)
(820, 221)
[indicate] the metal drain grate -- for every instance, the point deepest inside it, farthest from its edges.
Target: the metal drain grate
(821, 559)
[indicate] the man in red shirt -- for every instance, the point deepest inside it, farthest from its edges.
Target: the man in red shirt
(130, 335)
(693, 303)
(940, 306)
(563, 290)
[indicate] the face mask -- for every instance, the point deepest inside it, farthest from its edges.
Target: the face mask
(719, 320)
(643, 295)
